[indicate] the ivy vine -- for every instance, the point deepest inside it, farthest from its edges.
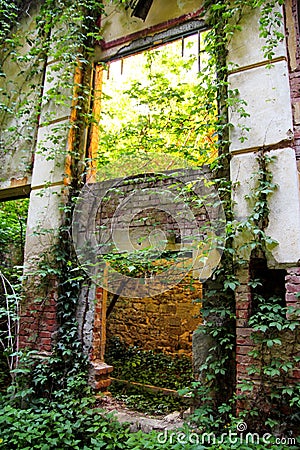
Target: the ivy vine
(66, 32)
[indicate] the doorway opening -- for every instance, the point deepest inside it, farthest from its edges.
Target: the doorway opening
(153, 118)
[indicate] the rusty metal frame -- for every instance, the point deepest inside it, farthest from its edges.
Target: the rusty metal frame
(142, 43)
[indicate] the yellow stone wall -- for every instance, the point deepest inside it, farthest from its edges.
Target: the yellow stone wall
(164, 322)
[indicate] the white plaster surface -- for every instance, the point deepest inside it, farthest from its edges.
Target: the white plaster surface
(242, 170)
(284, 203)
(43, 214)
(44, 209)
(49, 161)
(118, 23)
(267, 95)
(284, 225)
(57, 81)
(245, 47)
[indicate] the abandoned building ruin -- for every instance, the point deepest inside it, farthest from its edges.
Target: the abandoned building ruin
(167, 321)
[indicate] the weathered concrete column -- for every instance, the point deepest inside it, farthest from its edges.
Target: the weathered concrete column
(38, 310)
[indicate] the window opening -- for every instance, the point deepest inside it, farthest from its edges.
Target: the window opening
(270, 284)
(140, 8)
(151, 109)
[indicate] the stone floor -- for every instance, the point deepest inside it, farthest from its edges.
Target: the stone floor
(138, 420)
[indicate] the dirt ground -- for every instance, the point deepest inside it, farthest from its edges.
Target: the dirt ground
(138, 420)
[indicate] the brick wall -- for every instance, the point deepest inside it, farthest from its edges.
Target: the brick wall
(244, 343)
(292, 287)
(165, 321)
(38, 323)
(145, 204)
(293, 44)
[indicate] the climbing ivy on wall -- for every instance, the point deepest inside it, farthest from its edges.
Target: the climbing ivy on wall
(217, 377)
(64, 32)
(13, 216)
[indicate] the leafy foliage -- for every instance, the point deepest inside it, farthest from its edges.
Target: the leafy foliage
(149, 368)
(141, 399)
(78, 424)
(273, 325)
(63, 423)
(69, 421)
(13, 217)
(164, 113)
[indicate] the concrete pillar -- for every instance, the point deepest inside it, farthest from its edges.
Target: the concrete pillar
(38, 311)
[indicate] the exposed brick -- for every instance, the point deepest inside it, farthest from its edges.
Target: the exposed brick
(244, 332)
(244, 341)
(243, 349)
(27, 320)
(243, 289)
(242, 314)
(291, 298)
(296, 374)
(44, 334)
(242, 305)
(292, 287)
(293, 279)
(294, 64)
(242, 373)
(45, 348)
(102, 385)
(244, 359)
(240, 298)
(294, 270)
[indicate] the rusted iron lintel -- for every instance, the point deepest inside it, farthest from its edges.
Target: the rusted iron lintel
(187, 22)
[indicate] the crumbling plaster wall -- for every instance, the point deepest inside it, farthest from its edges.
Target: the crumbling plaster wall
(45, 216)
(267, 93)
(33, 164)
(273, 127)
(19, 117)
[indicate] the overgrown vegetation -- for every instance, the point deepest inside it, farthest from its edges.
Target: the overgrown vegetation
(48, 407)
(217, 372)
(75, 424)
(140, 127)
(148, 366)
(13, 216)
(151, 368)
